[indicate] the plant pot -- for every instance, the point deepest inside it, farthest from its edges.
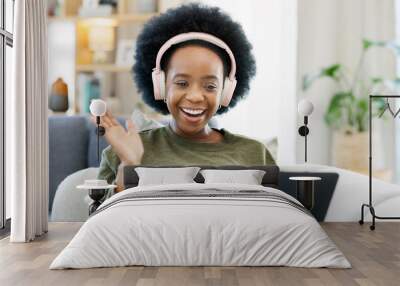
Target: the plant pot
(58, 103)
(350, 150)
(58, 99)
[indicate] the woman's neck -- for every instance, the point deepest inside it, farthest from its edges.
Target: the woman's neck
(206, 135)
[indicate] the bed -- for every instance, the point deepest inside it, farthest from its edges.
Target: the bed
(201, 224)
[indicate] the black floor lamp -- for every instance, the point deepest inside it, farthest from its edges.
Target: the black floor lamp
(370, 204)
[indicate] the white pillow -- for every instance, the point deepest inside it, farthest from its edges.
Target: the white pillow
(162, 176)
(248, 177)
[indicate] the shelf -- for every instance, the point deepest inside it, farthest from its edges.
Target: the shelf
(135, 17)
(119, 18)
(60, 18)
(102, 67)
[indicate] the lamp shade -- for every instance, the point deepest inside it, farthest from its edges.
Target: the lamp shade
(305, 107)
(98, 107)
(101, 38)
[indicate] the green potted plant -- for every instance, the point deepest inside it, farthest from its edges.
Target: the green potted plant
(347, 111)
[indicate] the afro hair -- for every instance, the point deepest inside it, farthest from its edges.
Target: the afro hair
(192, 18)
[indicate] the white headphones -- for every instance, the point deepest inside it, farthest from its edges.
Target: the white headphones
(158, 75)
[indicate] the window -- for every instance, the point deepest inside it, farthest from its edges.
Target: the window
(6, 44)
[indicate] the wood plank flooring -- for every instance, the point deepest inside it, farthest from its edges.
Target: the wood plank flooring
(375, 257)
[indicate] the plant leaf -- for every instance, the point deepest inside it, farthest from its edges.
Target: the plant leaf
(376, 80)
(366, 44)
(308, 80)
(393, 45)
(362, 114)
(331, 71)
(378, 106)
(339, 109)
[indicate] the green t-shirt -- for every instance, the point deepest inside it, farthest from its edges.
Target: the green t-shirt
(163, 147)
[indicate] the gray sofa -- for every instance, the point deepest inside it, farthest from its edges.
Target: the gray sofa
(72, 147)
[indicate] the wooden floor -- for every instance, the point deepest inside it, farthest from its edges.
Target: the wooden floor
(375, 257)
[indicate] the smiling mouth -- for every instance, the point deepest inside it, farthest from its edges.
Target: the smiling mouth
(193, 112)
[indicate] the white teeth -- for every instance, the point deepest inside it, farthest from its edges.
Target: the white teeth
(193, 111)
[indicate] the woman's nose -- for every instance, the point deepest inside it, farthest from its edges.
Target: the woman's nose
(195, 94)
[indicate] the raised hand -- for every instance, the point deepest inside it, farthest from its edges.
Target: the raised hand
(127, 144)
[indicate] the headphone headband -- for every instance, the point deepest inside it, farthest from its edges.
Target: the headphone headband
(158, 76)
(184, 37)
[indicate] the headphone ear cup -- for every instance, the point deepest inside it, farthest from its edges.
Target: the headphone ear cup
(158, 78)
(161, 84)
(156, 86)
(227, 92)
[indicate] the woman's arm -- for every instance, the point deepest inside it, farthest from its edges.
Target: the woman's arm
(127, 147)
(127, 144)
(120, 175)
(105, 171)
(112, 169)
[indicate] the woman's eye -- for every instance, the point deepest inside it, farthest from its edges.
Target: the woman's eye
(181, 83)
(211, 87)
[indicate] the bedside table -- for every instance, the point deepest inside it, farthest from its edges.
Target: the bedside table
(96, 193)
(305, 190)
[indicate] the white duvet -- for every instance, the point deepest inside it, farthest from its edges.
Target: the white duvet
(185, 230)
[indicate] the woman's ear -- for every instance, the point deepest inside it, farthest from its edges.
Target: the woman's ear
(166, 100)
(220, 95)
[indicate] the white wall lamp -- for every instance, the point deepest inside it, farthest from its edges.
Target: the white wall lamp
(98, 108)
(305, 108)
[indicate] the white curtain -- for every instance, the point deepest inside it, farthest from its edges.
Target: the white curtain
(26, 117)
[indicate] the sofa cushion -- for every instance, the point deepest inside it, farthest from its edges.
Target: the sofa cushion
(71, 203)
(68, 139)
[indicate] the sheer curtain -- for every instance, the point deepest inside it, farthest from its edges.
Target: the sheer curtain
(26, 117)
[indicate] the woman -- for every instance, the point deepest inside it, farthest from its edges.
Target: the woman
(198, 82)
